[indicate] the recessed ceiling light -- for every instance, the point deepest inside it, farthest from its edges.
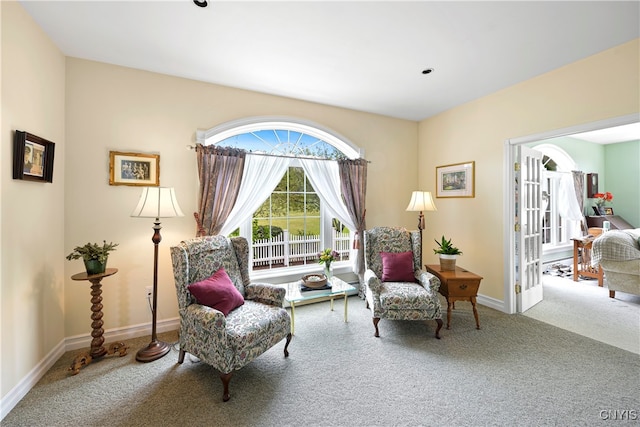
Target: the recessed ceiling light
(427, 71)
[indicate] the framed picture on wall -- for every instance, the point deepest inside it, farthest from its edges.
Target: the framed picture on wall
(32, 157)
(456, 180)
(134, 169)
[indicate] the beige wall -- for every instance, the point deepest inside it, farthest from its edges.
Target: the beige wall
(122, 109)
(599, 87)
(32, 255)
(90, 108)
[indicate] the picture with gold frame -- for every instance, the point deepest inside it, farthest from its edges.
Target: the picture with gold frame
(456, 180)
(137, 169)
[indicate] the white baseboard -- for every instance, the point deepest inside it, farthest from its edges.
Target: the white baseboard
(496, 304)
(134, 331)
(11, 399)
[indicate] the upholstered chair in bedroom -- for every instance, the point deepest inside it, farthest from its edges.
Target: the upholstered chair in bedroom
(396, 285)
(225, 320)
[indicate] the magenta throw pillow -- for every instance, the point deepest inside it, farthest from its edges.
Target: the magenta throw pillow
(217, 292)
(397, 267)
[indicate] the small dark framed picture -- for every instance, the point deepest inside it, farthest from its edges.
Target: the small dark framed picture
(608, 210)
(134, 169)
(32, 157)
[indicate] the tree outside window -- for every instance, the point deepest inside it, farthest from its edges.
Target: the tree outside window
(291, 227)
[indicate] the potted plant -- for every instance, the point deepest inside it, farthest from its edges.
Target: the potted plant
(94, 256)
(448, 254)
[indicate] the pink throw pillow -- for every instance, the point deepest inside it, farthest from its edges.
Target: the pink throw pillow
(217, 292)
(397, 267)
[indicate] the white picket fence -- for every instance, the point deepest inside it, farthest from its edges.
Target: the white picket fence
(291, 249)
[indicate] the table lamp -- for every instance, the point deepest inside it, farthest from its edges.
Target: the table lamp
(156, 202)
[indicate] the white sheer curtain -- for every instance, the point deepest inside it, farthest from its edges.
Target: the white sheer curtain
(568, 206)
(325, 179)
(261, 175)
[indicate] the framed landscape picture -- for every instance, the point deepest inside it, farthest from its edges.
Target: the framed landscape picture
(134, 169)
(456, 180)
(32, 157)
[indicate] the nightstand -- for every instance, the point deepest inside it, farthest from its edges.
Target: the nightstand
(457, 285)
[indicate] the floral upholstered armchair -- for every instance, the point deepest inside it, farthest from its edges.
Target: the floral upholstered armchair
(396, 286)
(226, 342)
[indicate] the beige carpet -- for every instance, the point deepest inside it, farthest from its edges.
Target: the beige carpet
(515, 371)
(586, 309)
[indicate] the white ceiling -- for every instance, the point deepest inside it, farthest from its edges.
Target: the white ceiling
(612, 135)
(366, 56)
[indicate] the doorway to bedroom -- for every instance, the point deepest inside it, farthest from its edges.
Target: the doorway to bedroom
(557, 249)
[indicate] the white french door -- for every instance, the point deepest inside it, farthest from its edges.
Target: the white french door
(528, 228)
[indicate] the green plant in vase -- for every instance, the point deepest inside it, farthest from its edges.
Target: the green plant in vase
(448, 253)
(327, 256)
(94, 256)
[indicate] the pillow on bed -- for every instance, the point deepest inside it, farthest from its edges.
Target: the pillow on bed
(397, 267)
(217, 292)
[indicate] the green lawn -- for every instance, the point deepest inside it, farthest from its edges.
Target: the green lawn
(296, 225)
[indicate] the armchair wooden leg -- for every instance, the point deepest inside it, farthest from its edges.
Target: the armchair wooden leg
(225, 385)
(181, 356)
(438, 328)
(286, 346)
(375, 324)
(612, 294)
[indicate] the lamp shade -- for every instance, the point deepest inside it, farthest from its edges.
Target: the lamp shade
(157, 202)
(421, 201)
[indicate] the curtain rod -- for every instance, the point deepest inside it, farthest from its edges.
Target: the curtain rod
(193, 147)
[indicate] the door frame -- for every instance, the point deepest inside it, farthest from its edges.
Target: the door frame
(508, 190)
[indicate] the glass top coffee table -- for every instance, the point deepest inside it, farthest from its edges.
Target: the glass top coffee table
(294, 295)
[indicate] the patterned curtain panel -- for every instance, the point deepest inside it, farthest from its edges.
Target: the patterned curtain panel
(220, 172)
(578, 184)
(353, 179)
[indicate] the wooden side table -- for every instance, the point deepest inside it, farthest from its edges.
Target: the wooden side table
(457, 285)
(582, 260)
(97, 349)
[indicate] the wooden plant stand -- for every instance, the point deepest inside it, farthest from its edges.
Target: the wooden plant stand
(97, 348)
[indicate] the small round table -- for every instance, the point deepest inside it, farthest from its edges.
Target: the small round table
(97, 348)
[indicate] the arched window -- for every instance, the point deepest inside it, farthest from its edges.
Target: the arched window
(249, 131)
(556, 230)
(292, 226)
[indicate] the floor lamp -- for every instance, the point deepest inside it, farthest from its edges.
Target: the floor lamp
(156, 202)
(421, 201)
